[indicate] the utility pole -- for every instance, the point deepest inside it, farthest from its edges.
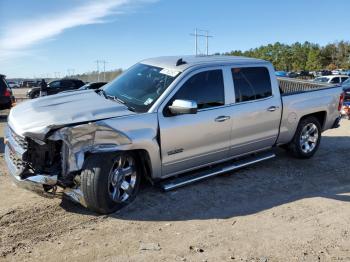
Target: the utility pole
(70, 72)
(98, 70)
(202, 33)
(104, 62)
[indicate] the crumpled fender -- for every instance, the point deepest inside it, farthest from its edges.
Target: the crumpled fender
(136, 132)
(90, 137)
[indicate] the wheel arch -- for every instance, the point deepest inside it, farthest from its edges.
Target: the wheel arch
(143, 157)
(320, 116)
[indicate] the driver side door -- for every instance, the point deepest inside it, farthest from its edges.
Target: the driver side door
(54, 87)
(190, 141)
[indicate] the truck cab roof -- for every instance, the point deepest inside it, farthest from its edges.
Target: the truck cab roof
(181, 63)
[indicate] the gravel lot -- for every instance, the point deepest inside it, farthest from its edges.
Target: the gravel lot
(280, 210)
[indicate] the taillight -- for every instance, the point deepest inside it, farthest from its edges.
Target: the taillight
(341, 101)
(7, 92)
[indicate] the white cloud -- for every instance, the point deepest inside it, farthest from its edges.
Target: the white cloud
(16, 38)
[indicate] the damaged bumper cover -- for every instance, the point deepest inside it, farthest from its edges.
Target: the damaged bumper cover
(77, 140)
(34, 183)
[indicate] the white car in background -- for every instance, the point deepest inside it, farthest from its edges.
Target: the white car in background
(12, 84)
(332, 79)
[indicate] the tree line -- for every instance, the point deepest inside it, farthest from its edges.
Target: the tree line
(301, 56)
(95, 76)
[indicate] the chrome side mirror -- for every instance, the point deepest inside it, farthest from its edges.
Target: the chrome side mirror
(181, 107)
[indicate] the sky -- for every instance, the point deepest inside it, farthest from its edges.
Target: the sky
(41, 38)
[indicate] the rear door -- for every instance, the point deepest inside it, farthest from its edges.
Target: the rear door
(67, 85)
(256, 112)
(194, 140)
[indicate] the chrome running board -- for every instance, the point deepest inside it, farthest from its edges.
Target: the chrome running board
(184, 180)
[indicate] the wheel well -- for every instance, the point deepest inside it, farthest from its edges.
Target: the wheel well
(321, 117)
(143, 156)
(145, 161)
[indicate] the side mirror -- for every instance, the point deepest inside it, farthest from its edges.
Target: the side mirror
(181, 107)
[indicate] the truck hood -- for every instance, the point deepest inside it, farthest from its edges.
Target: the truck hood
(35, 118)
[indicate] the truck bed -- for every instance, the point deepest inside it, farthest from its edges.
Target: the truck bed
(289, 86)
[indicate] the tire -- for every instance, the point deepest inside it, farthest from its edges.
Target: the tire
(306, 141)
(35, 95)
(102, 181)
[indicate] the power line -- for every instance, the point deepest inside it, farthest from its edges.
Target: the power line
(201, 33)
(104, 62)
(70, 72)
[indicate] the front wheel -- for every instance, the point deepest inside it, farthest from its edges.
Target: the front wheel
(35, 95)
(307, 138)
(110, 181)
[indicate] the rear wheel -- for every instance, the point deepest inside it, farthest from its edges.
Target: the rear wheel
(307, 138)
(110, 181)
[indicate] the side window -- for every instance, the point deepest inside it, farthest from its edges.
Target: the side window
(67, 84)
(206, 88)
(55, 84)
(251, 83)
(344, 79)
(335, 80)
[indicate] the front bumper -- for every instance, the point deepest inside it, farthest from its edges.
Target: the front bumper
(15, 149)
(37, 182)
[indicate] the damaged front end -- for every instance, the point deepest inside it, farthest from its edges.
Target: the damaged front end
(42, 165)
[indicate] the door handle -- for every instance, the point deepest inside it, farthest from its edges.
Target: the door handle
(272, 108)
(222, 118)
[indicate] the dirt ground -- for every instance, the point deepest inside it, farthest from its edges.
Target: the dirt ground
(280, 210)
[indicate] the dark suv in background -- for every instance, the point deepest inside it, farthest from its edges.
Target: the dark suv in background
(6, 96)
(56, 86)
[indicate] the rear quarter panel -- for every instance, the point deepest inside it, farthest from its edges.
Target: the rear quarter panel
(299, 105)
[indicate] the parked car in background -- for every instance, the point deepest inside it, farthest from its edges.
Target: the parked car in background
(55, 87)
(346, 88)
(92, 85)
(13, 84)
(332, 79)
(166, 116)
(336, 72)
(345, 112)
(344, 72)
(281, 74)
(303, 73)
(28, 83)
(292, 74)
(323, 73)
(6, 96)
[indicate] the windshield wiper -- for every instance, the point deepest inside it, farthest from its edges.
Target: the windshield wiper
(120, 101)
(103, 92)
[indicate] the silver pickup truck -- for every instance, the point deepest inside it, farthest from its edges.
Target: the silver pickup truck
(171, 120)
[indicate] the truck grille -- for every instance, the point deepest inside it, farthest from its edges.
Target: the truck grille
(21, 141)
(19, 163)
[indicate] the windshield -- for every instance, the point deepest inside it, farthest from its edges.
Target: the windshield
(321, 79)
(140, 86)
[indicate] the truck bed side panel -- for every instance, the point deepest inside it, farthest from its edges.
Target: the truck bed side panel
(299, 105)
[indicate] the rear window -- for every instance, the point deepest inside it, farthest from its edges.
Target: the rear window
(3, 84)
(251, 83)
